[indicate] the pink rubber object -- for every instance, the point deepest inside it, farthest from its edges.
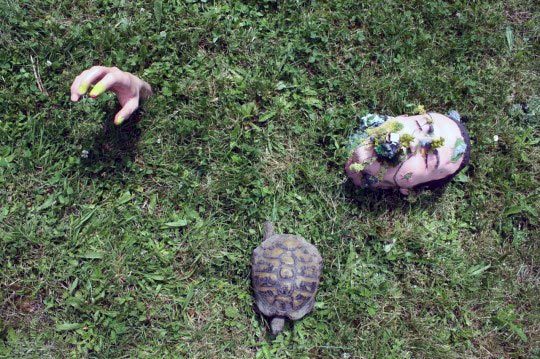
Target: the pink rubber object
(129, 89)
(418, 167)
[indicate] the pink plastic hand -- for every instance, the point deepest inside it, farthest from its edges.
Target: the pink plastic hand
(129, 89)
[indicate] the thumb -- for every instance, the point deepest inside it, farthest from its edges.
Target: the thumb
(126, 111)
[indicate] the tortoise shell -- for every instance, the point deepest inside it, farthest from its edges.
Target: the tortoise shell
(285, 275)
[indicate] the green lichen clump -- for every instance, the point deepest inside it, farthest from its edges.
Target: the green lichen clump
(407, 176)
(357, 167)
(419, 110)
(378, 134)
(437, 143)
(459, 149)
(406, 139)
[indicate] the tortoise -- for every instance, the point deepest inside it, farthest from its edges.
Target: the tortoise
(285, 276)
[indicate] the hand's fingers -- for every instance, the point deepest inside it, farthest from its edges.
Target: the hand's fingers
(93, 75)
(85, 79)
(106, 83)
(75, 95)
(126, 111)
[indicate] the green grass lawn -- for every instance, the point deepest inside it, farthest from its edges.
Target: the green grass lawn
(143, 248)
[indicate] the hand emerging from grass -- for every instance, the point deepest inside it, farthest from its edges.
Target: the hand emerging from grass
(129, 89)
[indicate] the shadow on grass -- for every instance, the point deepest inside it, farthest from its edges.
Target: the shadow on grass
(381, 201)
(114, 147)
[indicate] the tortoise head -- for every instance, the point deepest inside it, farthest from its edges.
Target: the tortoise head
(268, 230)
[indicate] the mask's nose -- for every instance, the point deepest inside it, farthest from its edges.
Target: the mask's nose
(363, 154)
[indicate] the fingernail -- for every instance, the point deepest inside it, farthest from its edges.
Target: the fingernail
(118, 120)
(83, 88)
(97, 90)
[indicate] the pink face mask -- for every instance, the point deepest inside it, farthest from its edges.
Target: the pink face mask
(408, 152)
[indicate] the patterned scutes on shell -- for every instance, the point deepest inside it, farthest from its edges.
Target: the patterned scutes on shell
(285, 274)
